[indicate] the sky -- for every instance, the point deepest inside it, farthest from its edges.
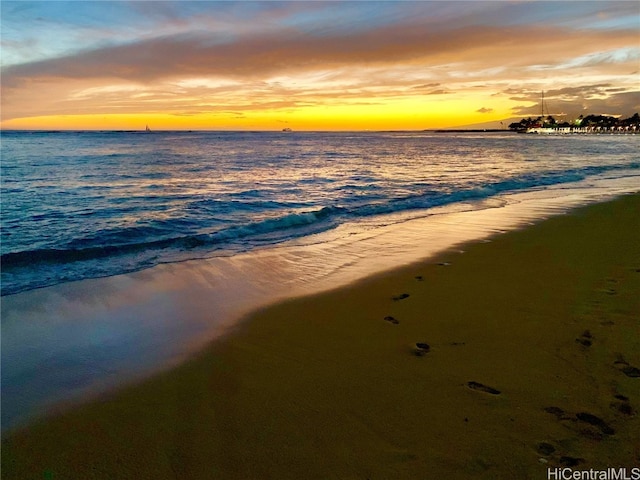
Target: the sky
(315, 65)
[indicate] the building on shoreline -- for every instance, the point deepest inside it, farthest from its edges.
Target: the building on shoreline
(577, 130)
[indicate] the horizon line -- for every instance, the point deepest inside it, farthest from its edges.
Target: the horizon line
(142, 130)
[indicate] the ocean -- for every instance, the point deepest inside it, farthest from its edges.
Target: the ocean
(79, 205)
(124, 253)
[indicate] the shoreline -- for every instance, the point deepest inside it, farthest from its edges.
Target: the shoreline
(341, 384)
(79, 340)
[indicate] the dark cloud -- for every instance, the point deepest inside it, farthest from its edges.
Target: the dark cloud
(624, 103)
(575, 93)
(484, 110)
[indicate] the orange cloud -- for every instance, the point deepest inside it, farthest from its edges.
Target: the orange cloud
(266, 54)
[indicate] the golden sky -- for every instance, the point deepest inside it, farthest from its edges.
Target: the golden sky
(314, 65)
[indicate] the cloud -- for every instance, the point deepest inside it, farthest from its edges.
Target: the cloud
(426, 86)
(624, 103)
(430, 89)
(202, 53)
(260, 56)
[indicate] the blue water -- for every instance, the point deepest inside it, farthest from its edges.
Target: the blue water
(89, 204)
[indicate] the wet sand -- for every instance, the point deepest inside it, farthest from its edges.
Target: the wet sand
(517, 355)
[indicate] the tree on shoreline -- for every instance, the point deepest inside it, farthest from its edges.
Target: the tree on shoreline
(590, 121)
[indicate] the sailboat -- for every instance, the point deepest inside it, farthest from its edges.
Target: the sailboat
(147, 129)
(541, 128)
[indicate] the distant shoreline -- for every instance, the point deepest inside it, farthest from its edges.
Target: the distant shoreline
(471, 130)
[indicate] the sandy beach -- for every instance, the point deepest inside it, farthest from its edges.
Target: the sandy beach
(495, 361)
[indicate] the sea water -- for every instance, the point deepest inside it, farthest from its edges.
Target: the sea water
(79, 205)
(124, 252)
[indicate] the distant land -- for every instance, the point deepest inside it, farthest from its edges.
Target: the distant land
(470, 130)
(514, 123)
(495, 125)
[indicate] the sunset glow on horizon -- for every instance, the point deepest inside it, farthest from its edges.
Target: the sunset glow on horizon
(314, 65)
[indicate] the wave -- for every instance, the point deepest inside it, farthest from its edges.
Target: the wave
(147, 245)
(76, 252)
(432, 198)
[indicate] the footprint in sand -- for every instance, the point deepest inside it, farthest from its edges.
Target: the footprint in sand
(570, 461)
(621, 405)
(559, 413)
(629, 370)
(402, 296)
(583, 417)
(596, 422)
(545, 449)
(483, 388)
(421, 349)
(585, 339)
